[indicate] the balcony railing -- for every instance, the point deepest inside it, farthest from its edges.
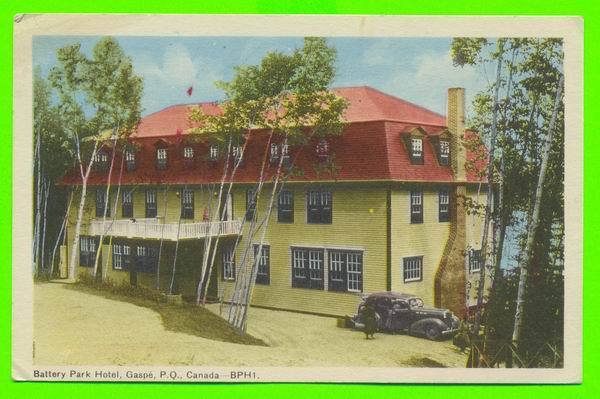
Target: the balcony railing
(154, 228)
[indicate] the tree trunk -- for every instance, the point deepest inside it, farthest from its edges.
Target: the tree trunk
(42, 263)
(38, 206)
(162, 232)
(535, 214)
(60, 233)
(490, 190)
(175, 256)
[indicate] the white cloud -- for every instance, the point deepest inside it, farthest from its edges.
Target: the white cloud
(176, 67)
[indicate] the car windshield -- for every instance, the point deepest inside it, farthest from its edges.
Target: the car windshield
(415, 303)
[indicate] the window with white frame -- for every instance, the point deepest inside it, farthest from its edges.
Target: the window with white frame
(228, 262)
(187, 203)
(413, 269)
(237, 153)
(474, 260)
(161, 158)
(307, 268)
(250, 204)
(87, 251)
(101, 160)
(188, 152)
(263, 271)
(417, 150)
(322, 149)
(151, 209)
(129, 160)
(416, 206)
(274, 152)
(102, 203)
(319, 206)
(444, 204)
(146, 258)
(213, 152)
(127, 203)
(121, 256)
(285, 207)
(345, 270)
(444, 152)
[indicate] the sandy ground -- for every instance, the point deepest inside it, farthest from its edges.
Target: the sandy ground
(72, 327)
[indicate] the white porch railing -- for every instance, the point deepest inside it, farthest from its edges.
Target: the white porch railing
(153, 228)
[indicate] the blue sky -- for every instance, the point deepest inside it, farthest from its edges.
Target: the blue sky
(415, 69)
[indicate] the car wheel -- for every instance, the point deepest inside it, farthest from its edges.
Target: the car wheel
(433, 332)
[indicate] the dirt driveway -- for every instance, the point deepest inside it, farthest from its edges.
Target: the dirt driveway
(73, 327)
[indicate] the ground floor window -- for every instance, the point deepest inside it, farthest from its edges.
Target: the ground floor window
(228, 259)
(146, 258)
(345, 271)
(87, 251)
(121, 256)
(413, 269)
(474, 260)
(307, 268)
(263, 272)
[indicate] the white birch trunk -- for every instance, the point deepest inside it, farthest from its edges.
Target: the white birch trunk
(60, 233)
(42, 263)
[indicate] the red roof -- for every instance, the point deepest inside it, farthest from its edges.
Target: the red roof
(370, 148)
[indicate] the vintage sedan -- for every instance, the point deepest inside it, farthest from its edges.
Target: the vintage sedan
(405, 313)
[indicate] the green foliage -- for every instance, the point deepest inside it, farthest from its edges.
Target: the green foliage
(467, 51)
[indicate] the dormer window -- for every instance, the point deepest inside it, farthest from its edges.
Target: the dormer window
(416, 150)
(161, 158)
(188, 156)
(444, 152)
(213, 152)
(322, 150)
(236, 153)
(274, 153)
(101, 160)
(277, 150)
(129, 160)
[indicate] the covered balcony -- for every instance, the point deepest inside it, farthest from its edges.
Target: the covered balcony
(153, 228)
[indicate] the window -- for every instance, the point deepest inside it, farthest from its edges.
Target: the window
(101, 160)
(213, 152)
(188, 156)
(127, 204)
(285, 207)
(474, 260)
(274, 153)
(413, 269)
(319, 206)
(416, 206)
(161, 158)
(345, 271)
(187, 203)
(250, 204)
(151, 203)
(307, 268)
(146, 258)
(236, 153)
(444, 205)
(277, 150)
(87, 251)
(228, 258)
(121, 256)
(416, 150)
(263, 272)
(322, 149)
(101, 202)
(129, 160)
(444, 152)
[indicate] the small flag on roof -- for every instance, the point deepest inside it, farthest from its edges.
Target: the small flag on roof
(190, 90)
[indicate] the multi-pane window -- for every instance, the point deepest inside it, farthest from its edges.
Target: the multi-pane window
(345, 271)
(263, 272)
(322, 149)
(101, 160)
(87, 251)
(416, 206)
(444, 205)
(413, 269)
(146, 258)
(213, 152)
(129, 160)
(319, 206)
(274, 153)
(127, 204)
(187, 203)
(307, 268)
(278, 150)
(237, 153)
(416, 150)
(161, 158)
(474, 260)
(250, 204)
(151, 210)
(102, 203)
(285, 207)
(228, 260)
(444, 152)
(121, 256)
(188, 156)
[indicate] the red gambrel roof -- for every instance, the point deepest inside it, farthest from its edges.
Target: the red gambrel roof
(370, 148)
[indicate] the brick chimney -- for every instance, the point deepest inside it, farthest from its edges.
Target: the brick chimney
(455, 120)
(450, 277)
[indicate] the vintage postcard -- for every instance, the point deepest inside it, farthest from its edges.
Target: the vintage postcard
(222, 198)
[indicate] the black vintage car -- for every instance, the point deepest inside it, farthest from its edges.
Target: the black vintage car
(404, 313)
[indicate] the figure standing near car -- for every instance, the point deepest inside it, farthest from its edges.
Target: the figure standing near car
(370, 320)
